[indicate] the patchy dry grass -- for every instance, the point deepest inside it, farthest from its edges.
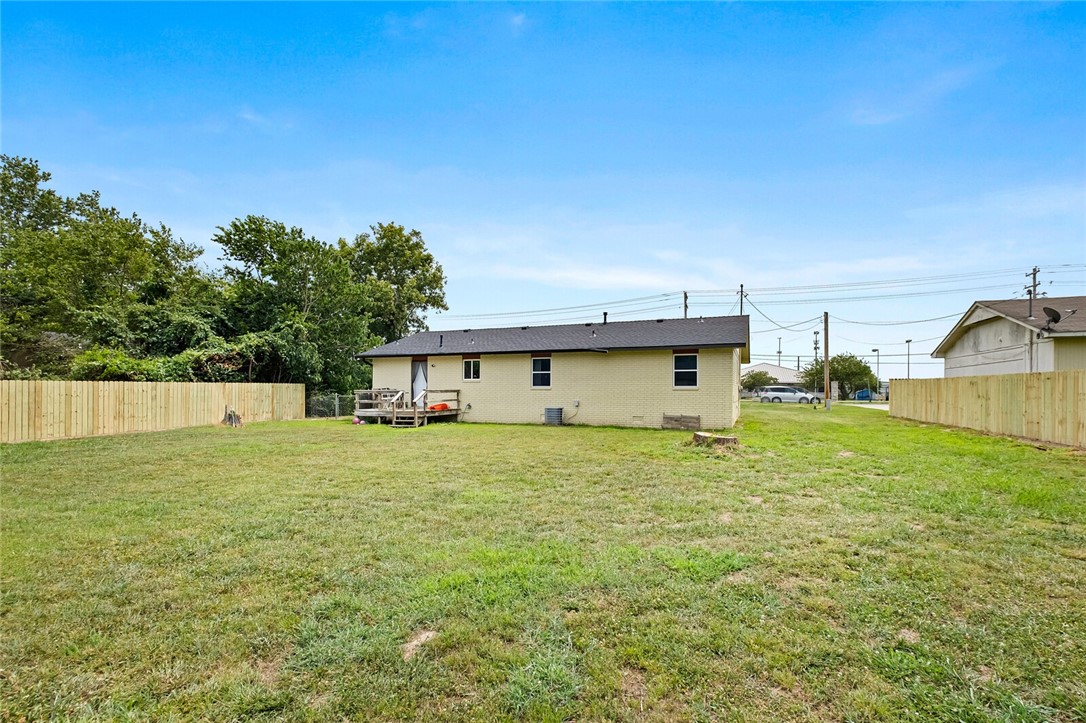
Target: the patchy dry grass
(840, 566)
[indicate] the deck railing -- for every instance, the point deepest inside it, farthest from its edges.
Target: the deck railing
(390, 402)
(377, 401)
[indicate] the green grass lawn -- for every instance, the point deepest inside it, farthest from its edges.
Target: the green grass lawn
(836, 566)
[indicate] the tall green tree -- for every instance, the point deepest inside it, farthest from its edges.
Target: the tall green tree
(850, 372)
(285, 285)
(752, 380)
(73, 268)
(25, 203)
(88, 291)
(402, 280)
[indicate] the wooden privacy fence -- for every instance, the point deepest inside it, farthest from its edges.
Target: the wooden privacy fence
(1046, 406)
(38, 410)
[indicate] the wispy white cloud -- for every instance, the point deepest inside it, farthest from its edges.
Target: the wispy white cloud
(517, 22)
(901, 103)
(251, 116)
(1026, 202)
(261, 120)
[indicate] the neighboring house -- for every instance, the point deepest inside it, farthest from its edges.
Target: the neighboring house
(1000, 337)
(627, 373)
(783, 375)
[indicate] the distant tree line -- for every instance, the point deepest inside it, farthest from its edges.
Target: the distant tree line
(88, 293)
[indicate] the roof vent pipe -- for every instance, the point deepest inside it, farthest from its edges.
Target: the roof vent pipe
(440, 340)
(605, 317)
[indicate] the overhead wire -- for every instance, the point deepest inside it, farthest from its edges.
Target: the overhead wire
(894, 323)
(779, 326)
(560, 309)
(650, 303)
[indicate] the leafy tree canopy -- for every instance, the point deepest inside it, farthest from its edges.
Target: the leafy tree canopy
(753, 380)
(848, 370)
(66, 265)
(89, 293)
(402, 279)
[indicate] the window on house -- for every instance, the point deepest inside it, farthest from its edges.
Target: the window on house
(541, 372)
(471, 369)
(686, 370)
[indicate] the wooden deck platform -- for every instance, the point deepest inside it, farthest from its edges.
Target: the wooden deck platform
(392, 406)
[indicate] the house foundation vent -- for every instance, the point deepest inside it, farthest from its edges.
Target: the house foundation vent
(552, 415)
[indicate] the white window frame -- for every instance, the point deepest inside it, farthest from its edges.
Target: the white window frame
(477, 366)
(696, 370)
(548, 372)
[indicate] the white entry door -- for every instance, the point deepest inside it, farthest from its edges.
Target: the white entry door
(418, 380)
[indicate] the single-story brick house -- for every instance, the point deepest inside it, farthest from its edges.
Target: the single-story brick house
(627, 373)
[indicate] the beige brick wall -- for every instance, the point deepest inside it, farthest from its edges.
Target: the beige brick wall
(625, 388)
(392, 373)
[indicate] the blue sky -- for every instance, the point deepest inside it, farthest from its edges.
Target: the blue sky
(578, 154)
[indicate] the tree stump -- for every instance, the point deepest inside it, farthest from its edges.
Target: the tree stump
(705, 439)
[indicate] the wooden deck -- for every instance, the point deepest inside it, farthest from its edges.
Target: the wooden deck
(393, 407)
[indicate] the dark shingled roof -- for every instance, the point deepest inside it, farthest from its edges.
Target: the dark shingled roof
(704, 332)
(1018, 310)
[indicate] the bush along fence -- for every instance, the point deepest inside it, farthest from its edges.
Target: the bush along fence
(42, 410)
(1044, 406)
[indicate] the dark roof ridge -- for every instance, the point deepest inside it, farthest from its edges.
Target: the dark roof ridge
(701, 331)
(514, 327)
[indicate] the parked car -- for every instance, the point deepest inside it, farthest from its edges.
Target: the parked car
(788, 394)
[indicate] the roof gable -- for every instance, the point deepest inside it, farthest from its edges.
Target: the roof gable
(1017, 311)
(782, 374)
(709, 331)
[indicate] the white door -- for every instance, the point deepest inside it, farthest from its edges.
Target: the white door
(418, 381)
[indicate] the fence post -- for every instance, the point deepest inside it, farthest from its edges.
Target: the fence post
(337, 405)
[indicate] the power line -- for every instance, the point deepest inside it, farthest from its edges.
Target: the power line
(882, 297)
(888, 343)
(645, 304)
(560, 309)
(779, 326)
(890, 283)
(894, 323)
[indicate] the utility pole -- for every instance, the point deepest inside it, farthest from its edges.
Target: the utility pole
(908, 359)
(877, 368)
(741, 295)
(816, 345)
(686, 305)
(797, 362)
(778, 351)
(1031, 289)
(826, 357)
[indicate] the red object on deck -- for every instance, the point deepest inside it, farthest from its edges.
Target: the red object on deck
(439, 407)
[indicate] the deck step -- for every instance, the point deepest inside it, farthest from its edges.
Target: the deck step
(407, 421)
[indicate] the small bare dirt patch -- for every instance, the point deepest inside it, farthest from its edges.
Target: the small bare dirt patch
(846, 453)
(633, 688)
(416, 641)
(909, 636)
(725, 518)
(755, 500)
(320, 700)
(268, 669)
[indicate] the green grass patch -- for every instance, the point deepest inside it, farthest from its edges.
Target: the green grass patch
(834, 566)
